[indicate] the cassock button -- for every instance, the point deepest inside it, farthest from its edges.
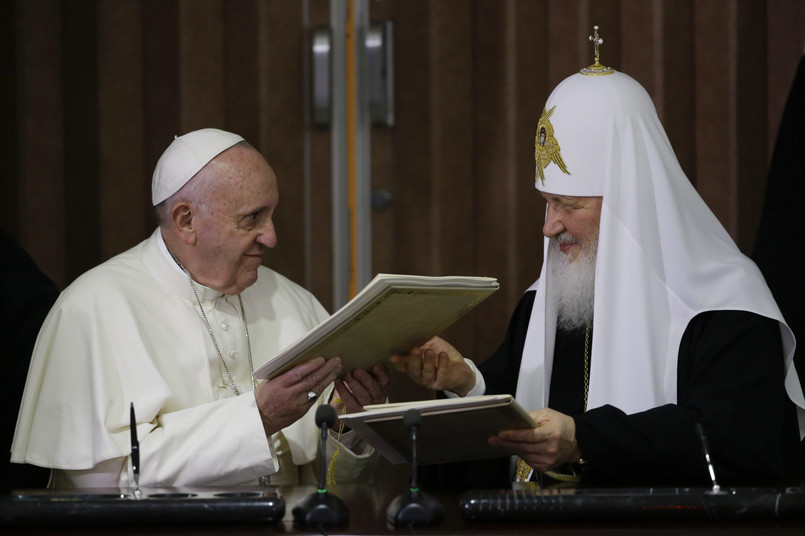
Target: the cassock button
(233, 354)
(224, 326)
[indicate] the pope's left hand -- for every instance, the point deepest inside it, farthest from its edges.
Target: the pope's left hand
(358, 388)
(546, 447)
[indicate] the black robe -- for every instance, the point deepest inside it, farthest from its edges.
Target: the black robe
(27, 296)
(730, 379)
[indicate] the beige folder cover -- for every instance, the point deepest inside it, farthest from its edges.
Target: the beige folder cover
(452, 429)
(392, 314)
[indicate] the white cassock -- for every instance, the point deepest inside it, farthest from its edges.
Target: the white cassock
(129, 331)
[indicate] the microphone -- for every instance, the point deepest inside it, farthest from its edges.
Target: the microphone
(322, 508)
(716, 489)
(415, 507)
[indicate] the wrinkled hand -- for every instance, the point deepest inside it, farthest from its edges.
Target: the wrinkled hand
(359, 388)
(546, 447)
(283, 400)
(436, 365)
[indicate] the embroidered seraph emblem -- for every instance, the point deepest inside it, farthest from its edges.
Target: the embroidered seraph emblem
(546, 148)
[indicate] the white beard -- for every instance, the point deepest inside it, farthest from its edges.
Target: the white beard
(572, 284)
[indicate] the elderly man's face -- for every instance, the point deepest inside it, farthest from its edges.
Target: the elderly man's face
(572, 221)
(237, 226)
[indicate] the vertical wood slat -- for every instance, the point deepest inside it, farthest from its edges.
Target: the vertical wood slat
(120, 102)
(161, 97)
(451, 138)
(530, 92)
(715, 98)
(639, 55)
(201, 64)
(281, 127)
(240, 81)
(80, 135)
(43, 224)
(751, 123)
(494, 160)
(563, 52)
(412, 206)
(677, 106)
(10, 105)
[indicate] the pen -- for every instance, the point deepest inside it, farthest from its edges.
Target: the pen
(135, 452)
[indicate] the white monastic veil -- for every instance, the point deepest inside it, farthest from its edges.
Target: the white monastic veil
(663, 257)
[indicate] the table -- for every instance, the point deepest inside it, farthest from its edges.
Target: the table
(367, 516)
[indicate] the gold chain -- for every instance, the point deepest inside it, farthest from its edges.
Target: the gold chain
(586, 364)
(523, 469)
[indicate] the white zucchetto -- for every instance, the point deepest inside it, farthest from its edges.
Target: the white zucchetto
(185, 157)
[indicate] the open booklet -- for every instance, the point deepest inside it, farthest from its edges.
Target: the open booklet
(392, 314)
(453, 429)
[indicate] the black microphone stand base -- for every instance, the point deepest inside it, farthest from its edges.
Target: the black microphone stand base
(414, 508)
(321, 508)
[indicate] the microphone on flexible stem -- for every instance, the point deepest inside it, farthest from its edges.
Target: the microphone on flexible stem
(716, 489)
(415, 507)
(322, 508)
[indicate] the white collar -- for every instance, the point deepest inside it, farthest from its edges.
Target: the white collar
(204, 292)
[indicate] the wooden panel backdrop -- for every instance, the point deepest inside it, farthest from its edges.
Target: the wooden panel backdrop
(94, 90)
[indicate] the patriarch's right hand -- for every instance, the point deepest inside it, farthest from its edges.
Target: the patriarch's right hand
(436, 365)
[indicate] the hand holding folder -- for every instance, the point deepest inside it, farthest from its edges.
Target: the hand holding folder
(453, 429)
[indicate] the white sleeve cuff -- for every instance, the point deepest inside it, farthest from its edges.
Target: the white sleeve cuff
(480, 384)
